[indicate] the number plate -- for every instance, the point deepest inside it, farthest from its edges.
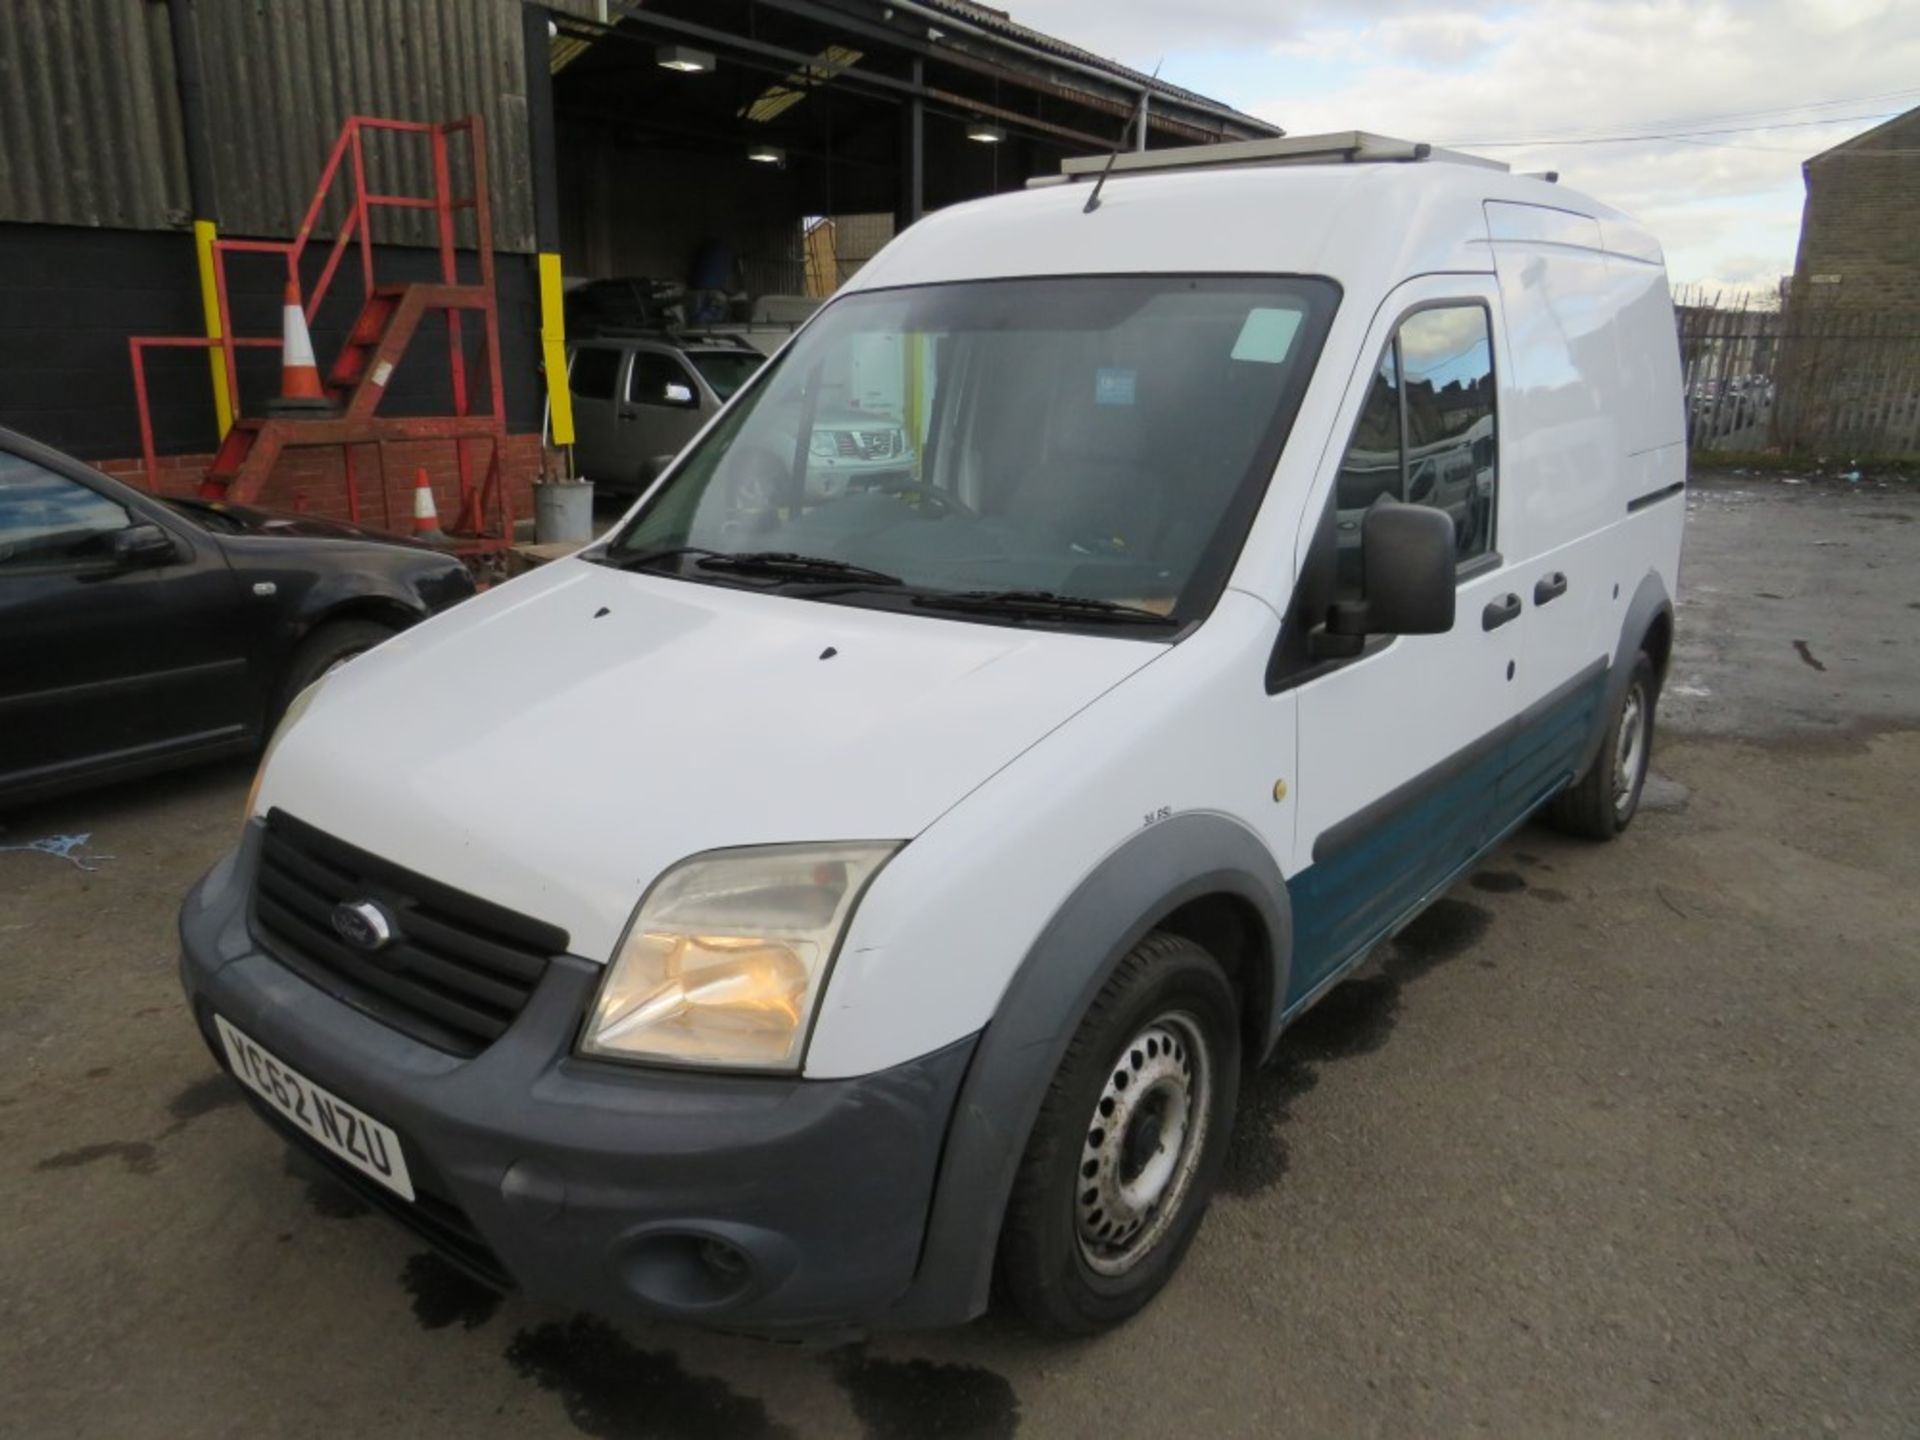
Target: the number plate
(356, 1138)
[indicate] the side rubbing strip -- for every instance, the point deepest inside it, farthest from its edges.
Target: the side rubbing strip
(1370, 818)
(1654, 497)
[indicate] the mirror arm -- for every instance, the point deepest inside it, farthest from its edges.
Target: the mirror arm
(1348, 618)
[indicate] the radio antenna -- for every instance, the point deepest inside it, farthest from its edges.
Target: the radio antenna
(1139, 109)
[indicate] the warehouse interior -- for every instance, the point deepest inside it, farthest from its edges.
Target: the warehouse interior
(706, 134)
(741, 149)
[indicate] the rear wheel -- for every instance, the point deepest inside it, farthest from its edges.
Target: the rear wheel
(1602, 802)
(330, 646)
(1128, 1144)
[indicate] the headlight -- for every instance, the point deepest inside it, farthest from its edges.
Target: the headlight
(296, 707)
(823, 444)
(724, 961)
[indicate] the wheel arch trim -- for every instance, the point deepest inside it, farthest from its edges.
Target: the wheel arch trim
(1649, 608)
(1176, 862)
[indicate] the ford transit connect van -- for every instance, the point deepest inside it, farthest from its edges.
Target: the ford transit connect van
(800, 908)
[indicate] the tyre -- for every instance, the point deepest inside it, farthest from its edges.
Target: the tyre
(1128, 1143)
(331, 644)
(1601, 803)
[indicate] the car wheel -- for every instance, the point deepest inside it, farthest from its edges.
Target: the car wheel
(1128, 1143)
(328, 647)
(1601, 803)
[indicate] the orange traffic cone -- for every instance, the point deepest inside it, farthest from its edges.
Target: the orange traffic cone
(426, 515)
(301, 392)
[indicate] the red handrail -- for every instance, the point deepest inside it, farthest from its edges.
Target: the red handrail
(349, 152)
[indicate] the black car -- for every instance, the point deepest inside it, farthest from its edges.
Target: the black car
(138, 633)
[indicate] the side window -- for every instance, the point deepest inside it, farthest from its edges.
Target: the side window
(595, 370)
(1425, 434)
(661, 380)
(47, 519)
(1371, 467)
(1447, 358)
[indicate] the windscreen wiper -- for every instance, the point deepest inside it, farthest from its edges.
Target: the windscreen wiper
(785, 564)
(775, 564)
(1042, 605)
(647, 559)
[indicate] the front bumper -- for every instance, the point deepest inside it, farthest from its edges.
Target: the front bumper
(603, 1186)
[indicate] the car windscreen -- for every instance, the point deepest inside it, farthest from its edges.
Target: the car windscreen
(1100, 438)
(726, 370)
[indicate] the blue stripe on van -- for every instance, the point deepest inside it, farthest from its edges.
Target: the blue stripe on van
(1369, 881)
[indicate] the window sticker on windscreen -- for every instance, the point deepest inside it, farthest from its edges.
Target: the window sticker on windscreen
(1113, 387)
(1267, 336)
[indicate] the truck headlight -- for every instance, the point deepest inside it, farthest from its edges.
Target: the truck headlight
(823, 444)
(724, 961)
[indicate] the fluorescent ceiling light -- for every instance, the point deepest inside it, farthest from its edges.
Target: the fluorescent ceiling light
(683, 58)
(767, 154)
(986, 134)
(777, 98)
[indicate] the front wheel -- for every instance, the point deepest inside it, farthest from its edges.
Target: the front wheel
(1128, 1143)
(330, 646)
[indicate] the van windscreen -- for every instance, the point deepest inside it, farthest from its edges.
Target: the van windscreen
(1102, 438)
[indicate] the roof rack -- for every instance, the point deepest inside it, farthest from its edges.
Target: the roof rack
(1341, 147)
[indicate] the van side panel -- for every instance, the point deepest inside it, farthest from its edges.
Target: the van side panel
(1593, 438)
(1652, 412)
(1561, 443)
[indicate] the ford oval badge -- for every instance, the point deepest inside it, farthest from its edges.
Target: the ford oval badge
(362, 924)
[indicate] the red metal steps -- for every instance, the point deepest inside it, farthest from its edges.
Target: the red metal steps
(351, 363)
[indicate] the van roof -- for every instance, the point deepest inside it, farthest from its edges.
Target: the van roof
(1367, 226)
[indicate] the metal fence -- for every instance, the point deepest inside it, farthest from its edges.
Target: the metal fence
(1805, 379)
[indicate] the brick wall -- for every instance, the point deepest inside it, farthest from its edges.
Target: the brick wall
(1862, 222)
(313, 480)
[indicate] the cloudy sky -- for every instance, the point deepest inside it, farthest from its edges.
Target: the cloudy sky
(1746, 90)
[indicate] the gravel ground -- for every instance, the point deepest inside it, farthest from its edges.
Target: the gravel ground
(1615, 1140)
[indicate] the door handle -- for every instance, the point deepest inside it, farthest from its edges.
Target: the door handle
(1550, 587)
(1499, 612)
(627, 412)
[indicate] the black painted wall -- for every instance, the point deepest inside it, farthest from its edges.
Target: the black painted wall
(70, 298)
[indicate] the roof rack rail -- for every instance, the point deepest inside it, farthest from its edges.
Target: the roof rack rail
(1341, 147)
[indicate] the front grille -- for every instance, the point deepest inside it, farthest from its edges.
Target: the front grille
(869, 444)
(457, 970)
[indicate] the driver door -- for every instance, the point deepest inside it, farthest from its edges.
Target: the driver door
(1402, 748)
(109, 664)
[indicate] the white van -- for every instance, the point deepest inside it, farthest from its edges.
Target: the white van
(794, 910)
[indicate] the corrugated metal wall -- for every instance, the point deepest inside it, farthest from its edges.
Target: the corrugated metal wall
(89, 124)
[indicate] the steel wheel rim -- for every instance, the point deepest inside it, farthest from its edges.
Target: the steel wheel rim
(1143, 1143)
(1630, 756)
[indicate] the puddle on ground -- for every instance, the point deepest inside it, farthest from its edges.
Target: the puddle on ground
(614, 1390)
(925, 1400)
(137, 1156)
(1353, 1018)
(444, 1294)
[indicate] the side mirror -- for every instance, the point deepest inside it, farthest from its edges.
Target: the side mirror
(140, 546)
(1407, 564)
(678, 394)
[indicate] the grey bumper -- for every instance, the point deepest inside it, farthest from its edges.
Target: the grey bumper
(603, 1186)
